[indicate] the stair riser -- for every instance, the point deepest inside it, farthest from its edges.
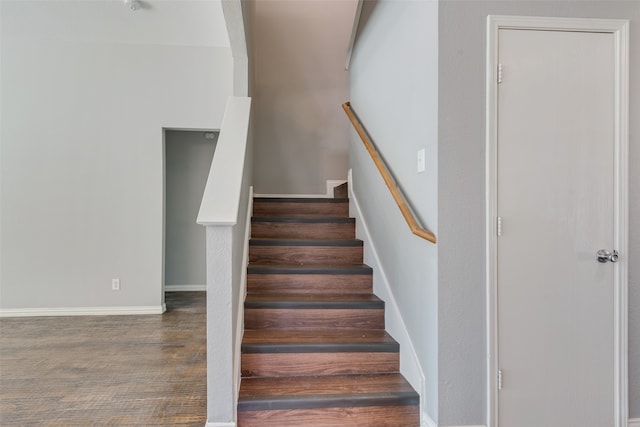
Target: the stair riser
(341, 191)
(260, 318)
(293, 364)
(301, 210)
(305, 254)
(367, 416)
(303, 230)
(305, 283)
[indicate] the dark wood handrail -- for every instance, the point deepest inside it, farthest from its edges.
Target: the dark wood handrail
(401, 201)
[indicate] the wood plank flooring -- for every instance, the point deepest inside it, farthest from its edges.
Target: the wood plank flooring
(106, 370)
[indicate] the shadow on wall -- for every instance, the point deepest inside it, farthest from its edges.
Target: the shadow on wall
(298, 52)
(368, 7)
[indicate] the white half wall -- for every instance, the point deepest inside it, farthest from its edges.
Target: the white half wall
(225, 211)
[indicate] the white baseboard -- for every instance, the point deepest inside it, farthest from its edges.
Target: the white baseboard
(208, 424)
(331, 183)
(185, 288)
(426, 421)
(409, 364)
(82, 311)
(633, 422)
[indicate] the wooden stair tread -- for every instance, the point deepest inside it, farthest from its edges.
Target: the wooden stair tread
(301, 199)
(317, 341)
(257, 268)
(324, 391)
(269, 300)
(304, 242)
(316, 336)
(323, 384)
(305, 220)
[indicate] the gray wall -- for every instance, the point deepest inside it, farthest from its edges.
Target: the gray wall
(461, 110)
(87, 88)
(394, 92)
(188, 156)
(247, 20)
(298, 54)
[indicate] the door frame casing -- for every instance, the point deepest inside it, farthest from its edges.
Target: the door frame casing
(620, 29)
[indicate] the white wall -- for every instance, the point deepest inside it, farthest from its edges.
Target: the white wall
(87, 88)
(298, 52)
(236, 21)
(461, 294)
(394, 91)
(188, 156)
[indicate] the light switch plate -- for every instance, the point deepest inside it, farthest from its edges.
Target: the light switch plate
(421, 160)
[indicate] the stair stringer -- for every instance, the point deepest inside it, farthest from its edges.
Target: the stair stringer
(237, 361)
(409, 364)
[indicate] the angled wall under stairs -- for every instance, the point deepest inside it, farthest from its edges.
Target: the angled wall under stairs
(315, 351)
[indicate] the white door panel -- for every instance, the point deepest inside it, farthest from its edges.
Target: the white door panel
(556, 194)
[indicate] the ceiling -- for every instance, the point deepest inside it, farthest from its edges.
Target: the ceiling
(156, 22)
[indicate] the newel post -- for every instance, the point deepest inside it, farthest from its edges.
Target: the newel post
(220, 381)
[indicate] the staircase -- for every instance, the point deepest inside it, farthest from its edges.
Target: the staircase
(315, 352)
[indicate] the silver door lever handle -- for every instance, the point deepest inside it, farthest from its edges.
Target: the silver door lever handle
(604, 255)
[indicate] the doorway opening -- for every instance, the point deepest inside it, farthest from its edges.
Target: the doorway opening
(187, 161)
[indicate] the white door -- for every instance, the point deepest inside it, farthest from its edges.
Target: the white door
(556, 194)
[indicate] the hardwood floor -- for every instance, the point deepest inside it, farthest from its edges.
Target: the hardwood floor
(106, 370)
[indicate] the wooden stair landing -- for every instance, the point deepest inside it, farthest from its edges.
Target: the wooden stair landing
(314, 351)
